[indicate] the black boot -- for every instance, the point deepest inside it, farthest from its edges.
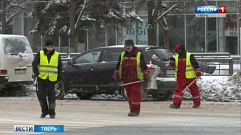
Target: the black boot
(175, 106)
(43, 115)
(195, 106)
(133, 114)
(52, 110)
(52, 113)
(52, 116)
(44, 108)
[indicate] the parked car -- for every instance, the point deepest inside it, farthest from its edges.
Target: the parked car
(91, 73)
(16, 58)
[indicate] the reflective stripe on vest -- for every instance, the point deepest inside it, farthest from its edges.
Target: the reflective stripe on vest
(48, 69)
(138, 63)
(190, 72)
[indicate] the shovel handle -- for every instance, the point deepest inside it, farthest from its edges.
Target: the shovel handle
(189, 85)
(131, 83)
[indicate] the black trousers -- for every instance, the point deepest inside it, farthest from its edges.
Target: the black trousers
(46, 96)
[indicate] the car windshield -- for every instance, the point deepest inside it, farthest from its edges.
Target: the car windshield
(111, 55)
(90, 57)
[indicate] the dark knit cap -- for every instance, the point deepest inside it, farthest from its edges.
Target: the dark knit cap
(49, 43)
(129, 42)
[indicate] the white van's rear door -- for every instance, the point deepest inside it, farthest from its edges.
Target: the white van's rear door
(18, 57)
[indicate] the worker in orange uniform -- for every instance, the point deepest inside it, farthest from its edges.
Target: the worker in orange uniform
(131, 67)
(187, 70)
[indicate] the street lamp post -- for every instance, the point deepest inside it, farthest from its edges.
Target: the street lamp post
(3, 15)
(72, 26)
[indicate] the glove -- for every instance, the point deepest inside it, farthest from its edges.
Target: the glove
(198, 72)
(116, 74)
(146, 76)
(172, 62)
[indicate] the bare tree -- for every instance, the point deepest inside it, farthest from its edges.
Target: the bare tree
(83, 14)
(8, 9)
(158, 10)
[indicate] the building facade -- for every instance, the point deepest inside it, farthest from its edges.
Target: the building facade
(207, 34)
(199, 34)
(215, 34)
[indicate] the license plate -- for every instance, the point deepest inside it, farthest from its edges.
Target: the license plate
(20, 71)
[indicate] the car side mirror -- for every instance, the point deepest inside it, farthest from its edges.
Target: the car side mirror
(71, 62)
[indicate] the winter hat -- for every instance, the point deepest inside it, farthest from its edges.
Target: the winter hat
(49, 43)
(129, 42)
(180, 48)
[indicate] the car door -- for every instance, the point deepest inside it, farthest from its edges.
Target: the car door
(84, 73)
(107, 66)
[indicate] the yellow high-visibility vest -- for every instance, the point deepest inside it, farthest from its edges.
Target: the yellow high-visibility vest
(190, 72)
(138, 64)
(48, 69)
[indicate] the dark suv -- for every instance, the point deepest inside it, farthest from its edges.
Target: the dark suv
(91, 73)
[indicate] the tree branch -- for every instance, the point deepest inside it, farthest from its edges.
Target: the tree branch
(157, 8)
(172, 7)
(80, 14)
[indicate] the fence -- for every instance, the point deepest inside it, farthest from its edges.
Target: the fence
(65, 56)
(222, 61)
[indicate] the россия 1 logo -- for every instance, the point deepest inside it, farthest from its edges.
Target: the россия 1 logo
(211, 11)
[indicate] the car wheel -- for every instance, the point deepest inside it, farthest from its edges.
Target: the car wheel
(59, 90)
(83, 95)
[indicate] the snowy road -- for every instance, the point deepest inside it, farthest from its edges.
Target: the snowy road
(87, 117)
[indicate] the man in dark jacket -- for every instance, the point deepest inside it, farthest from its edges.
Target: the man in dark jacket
(131, 67)
(47, 67)
(186, 71)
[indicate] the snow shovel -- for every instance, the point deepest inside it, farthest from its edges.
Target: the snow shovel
(207, 69)
(204, 69)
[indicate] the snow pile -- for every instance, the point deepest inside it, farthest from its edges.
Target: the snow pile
(219, 88)
(106, 96)
(70, 96)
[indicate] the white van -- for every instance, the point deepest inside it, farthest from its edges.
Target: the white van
(16, 58)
